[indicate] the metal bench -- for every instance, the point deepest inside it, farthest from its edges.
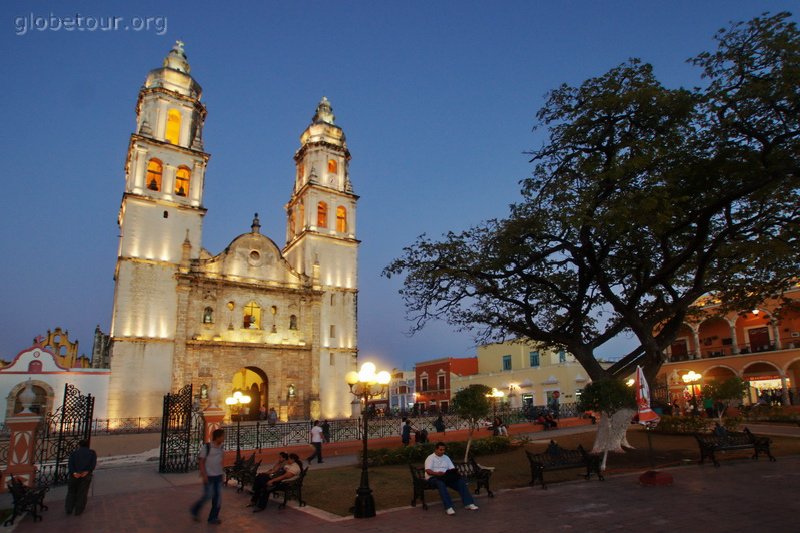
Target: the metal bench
(558, 458)
(244, 471)
(710, 443)
(28, 500)
(292, 489)
(471, 471)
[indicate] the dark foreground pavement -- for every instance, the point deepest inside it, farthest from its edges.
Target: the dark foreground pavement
(741, 495)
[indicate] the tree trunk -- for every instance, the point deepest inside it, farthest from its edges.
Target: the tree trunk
(469, 443)
(612, 431)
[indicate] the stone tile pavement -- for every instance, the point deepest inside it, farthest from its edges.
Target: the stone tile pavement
(741, 495)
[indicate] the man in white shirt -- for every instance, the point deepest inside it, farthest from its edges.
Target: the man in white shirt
(316, 442)
(211, 455)
(441, 473)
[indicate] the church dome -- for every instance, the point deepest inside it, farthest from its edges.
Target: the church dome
(174, 75)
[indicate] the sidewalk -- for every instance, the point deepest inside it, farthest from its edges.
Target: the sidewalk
(739, 495)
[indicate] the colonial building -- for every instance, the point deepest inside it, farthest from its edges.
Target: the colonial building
(527, 373)
(760, 345)
(402, 390)
(435, 378)
(277, 323)
(48, 375)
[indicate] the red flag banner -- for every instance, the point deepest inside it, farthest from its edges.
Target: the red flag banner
(646, 415)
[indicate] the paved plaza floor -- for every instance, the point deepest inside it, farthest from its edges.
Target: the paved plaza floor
(741, 495)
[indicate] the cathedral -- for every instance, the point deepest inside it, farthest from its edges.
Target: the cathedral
(278, 324)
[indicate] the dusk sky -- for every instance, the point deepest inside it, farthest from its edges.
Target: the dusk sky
(437, 100)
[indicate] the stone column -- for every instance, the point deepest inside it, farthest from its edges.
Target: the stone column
(734, 340)
(696, 338)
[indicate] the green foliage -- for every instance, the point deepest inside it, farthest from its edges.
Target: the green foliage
(682, 424)
(732, 423)
(418, 453)
(643, 199)
(731, 391)
(607, 396)
(472, 404)
(771, 413)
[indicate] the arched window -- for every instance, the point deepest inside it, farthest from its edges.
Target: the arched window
(341, 219)
(293, 322)
(173, 129)
(35, 367)
(322, 215)
(182, 178)
(154, 171)
(208, 316)
(252, 316)
(333, 166)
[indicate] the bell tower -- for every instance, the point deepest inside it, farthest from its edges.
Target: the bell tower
(161, 211)
(321, 242)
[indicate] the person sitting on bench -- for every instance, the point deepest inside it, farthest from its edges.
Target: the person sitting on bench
(441, 473)
(292, 470)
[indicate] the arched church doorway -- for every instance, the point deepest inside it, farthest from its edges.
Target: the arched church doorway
(252, 381)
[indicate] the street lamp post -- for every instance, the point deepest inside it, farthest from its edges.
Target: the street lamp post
(238, 400)
(366, 384)
(691, 378)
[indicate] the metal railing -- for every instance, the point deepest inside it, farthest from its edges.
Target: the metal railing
(257, 435)
(116, 426)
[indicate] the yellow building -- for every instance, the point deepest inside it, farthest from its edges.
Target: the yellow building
(526, 373)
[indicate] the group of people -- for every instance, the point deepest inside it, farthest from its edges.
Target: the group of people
(286, 469)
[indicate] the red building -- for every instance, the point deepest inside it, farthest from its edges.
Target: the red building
(433, 380)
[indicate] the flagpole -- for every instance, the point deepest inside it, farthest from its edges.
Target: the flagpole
(648, 419)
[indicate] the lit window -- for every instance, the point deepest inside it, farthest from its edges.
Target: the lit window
(506, 362)
(173, 130)
(182, 181)
(534, 359)
(341, 219)
(333, 167)
(322, 215)
(252, 316)
(154, 171)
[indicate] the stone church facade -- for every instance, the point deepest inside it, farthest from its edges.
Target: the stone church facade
(278, 324)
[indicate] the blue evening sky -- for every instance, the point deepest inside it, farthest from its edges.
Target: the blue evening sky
(437, 99)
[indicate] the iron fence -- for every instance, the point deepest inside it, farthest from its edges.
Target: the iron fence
(116, 426)
(257, 435)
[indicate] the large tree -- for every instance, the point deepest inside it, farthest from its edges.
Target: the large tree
(643, 199)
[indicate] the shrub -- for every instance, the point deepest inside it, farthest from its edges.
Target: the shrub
(681, 424)
(418, 453)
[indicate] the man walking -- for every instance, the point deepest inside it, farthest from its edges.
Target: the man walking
(80, 467)
(211, 455)
(316, 442)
